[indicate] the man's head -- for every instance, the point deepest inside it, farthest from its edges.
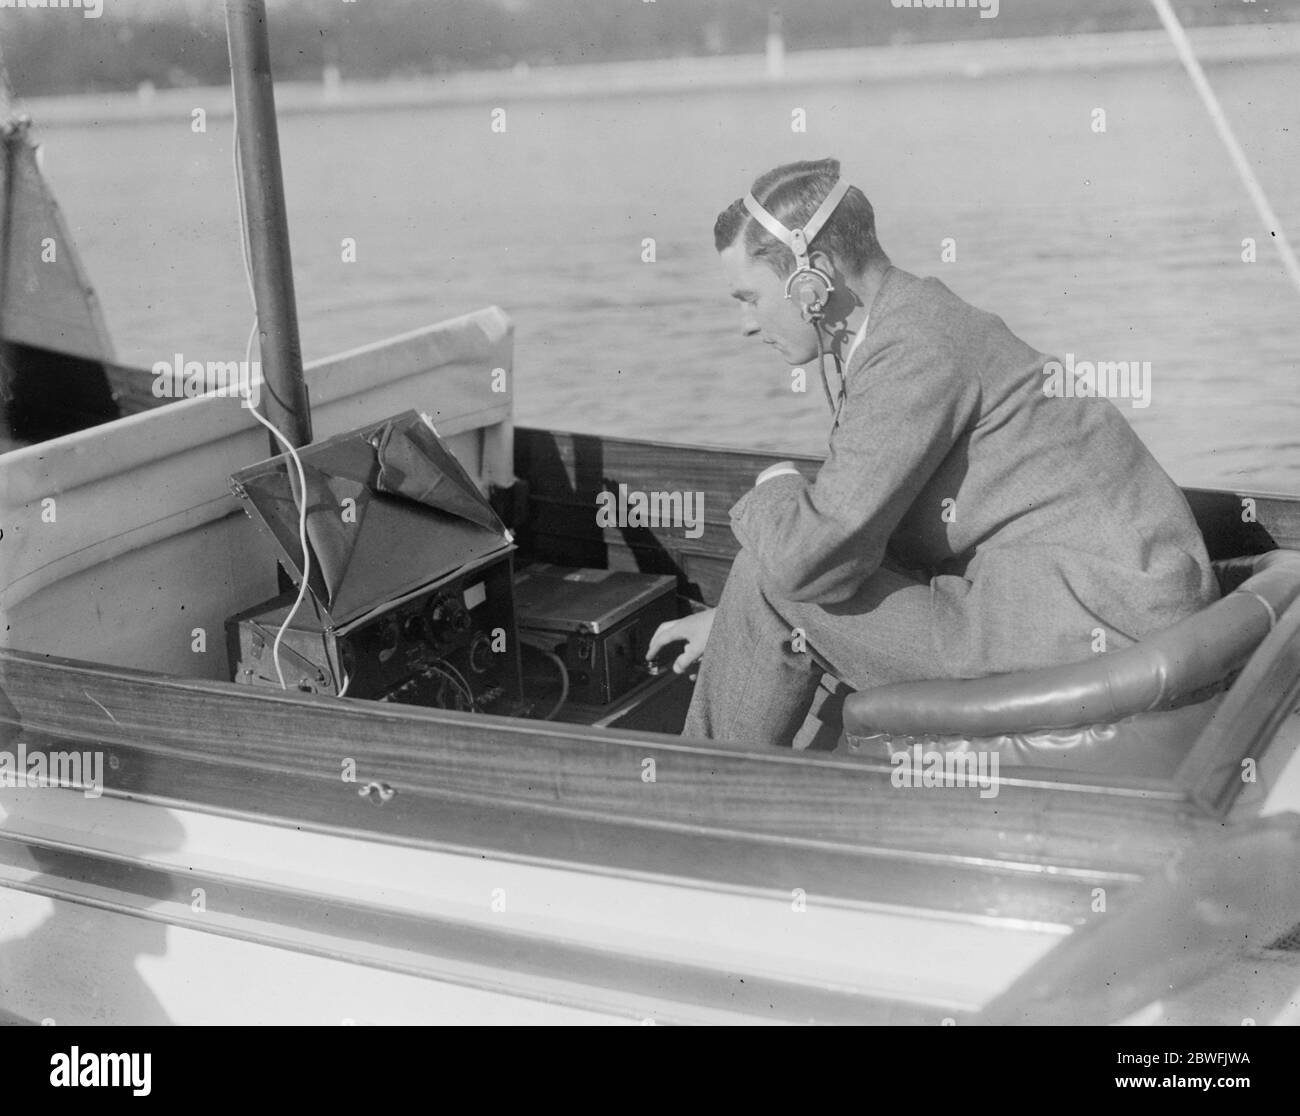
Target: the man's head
(757, 264)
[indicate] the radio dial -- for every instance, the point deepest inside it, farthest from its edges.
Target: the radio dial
(446, 617)
(480, 654)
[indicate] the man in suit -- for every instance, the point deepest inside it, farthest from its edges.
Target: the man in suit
(967, 520)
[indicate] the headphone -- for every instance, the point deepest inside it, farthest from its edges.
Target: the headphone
(812, 286)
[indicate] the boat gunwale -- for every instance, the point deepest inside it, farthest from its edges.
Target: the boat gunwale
(198, 423)
(1042, 778)
(579, 777)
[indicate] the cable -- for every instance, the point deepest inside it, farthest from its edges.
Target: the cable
(301, 505)
(564, 682)
(239, 181)
(336, 668)
(456, 680)
(302, 539)
(821, 367)
(464, 685)
(564, 673)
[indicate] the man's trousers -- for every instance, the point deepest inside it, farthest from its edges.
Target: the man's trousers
(755, 687)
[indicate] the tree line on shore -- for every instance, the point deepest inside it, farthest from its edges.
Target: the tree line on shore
(57, 51)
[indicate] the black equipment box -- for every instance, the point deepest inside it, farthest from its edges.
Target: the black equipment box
(410, 591)
(448, 646)
(599, 622)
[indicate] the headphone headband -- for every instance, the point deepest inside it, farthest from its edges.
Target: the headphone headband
(798, 240)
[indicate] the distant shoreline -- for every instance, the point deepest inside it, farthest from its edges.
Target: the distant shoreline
(966, 59)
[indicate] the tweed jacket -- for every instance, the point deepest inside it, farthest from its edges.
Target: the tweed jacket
(1038, 521)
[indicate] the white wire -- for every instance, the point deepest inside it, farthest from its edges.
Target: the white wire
(239, 183)
(465, 685)
(456, 680)
(299, 503)
(542, 649)
(302, 539)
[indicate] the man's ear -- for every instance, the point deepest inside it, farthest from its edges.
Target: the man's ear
(823, 263)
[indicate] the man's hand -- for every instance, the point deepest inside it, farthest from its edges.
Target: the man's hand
(694, 629)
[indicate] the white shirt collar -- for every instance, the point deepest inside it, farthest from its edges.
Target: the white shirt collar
(857, 340)
(862, 333)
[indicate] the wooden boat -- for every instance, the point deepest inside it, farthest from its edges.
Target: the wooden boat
(495, 869)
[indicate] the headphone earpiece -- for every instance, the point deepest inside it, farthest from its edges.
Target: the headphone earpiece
(811, 289)
(809, 285)
(813, 285)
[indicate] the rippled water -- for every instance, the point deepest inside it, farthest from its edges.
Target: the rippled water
(1118, 246)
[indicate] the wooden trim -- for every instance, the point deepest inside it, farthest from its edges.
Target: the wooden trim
(575, 793)
(566, 471)
(1263, 696)
(1220, 515)
(1229, 892)
(885, 877)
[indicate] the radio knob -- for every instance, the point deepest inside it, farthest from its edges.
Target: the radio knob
(446, 617)
(480, 654)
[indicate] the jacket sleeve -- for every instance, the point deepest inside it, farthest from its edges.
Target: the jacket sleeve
(907, 404)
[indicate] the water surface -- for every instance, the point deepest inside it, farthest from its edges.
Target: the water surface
(1122, 245)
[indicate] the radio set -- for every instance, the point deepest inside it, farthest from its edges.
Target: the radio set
(448, 647)
(411, 594)
(598, 622)
(410, 586)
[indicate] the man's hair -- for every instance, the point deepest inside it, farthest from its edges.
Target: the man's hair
(792, 193)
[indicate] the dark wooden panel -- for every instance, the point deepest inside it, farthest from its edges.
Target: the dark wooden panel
(576, 519)
(1225, 519)
(569, 470)
(578, 466)
(246, 738)
(768, 865)
(566, 472)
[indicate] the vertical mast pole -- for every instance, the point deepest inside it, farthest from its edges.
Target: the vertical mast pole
(267, 222)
